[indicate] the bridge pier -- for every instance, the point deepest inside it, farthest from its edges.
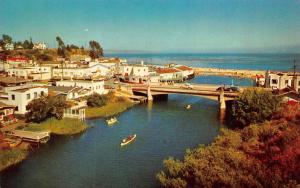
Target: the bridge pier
(222, 100)
(149, 95)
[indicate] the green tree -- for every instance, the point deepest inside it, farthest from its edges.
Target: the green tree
(6, 39)
(42, 108)
(61, 50)
(30, 44)
(96, 50)
(96, 100)
(254, 105)
(26, 44)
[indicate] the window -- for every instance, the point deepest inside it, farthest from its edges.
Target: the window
(298, 83)
(28, 96)
(17, 108)
(42, 93)
(286, 81)
(35, 94)
(274, 81)
(13, 97)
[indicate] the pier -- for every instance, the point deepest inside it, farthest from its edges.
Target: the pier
(30, 136)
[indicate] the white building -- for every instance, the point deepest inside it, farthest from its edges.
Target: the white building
(89, 71)
(70, 92)
(96, 86)
(187, 72)
(22, 96)
(297, 83)
(33, 72)
(170, 74)
(39, 46)
(278, 80)
(9, 46)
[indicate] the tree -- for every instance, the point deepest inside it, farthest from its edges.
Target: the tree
(95, 100)
(253, 106)
(42, 108)
(26, 44)
(61, 50)
(30, 44)
(96, 50)
(6, 39)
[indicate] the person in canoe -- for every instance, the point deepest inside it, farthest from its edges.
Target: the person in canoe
(128, 140)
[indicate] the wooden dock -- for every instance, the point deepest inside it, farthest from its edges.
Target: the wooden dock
(29, 136)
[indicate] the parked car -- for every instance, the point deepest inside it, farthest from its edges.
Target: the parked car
(230, 89)
(187, 86)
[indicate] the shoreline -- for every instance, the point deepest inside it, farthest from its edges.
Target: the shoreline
(228, 72)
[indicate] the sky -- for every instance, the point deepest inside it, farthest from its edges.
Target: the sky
(158, 25)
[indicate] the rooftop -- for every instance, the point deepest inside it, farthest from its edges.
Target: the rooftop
(166, 70)
(12, 80)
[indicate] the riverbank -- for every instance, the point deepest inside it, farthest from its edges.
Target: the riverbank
(110, 109)
(228, 72)
(65, 126)
(13, 156)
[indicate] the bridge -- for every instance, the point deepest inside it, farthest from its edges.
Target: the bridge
(204, 90)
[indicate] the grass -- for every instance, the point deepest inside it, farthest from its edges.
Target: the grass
(66, 126)
(110, 109)
(11, 157)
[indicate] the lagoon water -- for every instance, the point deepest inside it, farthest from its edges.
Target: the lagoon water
(95, 158)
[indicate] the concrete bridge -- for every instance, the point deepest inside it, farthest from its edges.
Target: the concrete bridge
(204, 90)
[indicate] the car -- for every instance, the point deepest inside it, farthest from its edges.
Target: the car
(230, 89)
(234, 89)
(187, 86)
(224, 88)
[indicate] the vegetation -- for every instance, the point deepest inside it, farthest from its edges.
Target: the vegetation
(65, 126)
(96, 50)
(45, 107)
(113, 105)
(61, 49)
(254, 105)
(260, 155)
(9, 157)
(96, 100)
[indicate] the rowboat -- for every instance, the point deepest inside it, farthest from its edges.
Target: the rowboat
(188, 106)
(111, 121)
(128, 140)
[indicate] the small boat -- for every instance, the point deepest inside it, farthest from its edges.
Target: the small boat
(188, 106)
(111, 121)
(128, 140)
(13, 142)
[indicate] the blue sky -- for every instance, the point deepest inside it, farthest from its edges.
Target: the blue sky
(158, 25)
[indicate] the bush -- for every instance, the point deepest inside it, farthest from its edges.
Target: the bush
(96, 100)
(254, 105)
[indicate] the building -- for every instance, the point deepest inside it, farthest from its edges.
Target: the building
(260, 80)
(69, 92)
(6, 114)
(134, 73)
(32, 72)
(278, 80)
(9, 46)
(297, 83)
(39, 46)
(95, 86)
(170, 75)
(6, 81)
(22, 95)
(187, 72)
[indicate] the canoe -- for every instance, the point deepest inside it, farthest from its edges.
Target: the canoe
(128, 140)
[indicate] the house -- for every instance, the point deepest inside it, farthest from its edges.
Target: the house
(278, 80)
(170, 75)
(69, 91)
(95, 86)
(32, 72)
(6, 81)
(260, 80)
(22, 95)
(6, 114)
(187, 72)
(297, 83)
(9, 46)
(39, 46)
(134, 73)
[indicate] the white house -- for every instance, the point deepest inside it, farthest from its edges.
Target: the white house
(70, 92)
(96, 86)
(9, 46)
(187, 72)
(278, 80)
(297, 83)
(22, 96)
(33, 72)
(39, 46)
(170, 74)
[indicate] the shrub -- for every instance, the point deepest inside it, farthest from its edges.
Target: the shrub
(96, 100)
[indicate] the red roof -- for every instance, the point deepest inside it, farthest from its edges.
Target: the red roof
(183, 68)
(18, 59)
(166, 70)
(260, 76)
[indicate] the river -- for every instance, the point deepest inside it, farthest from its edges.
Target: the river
(95, 158)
